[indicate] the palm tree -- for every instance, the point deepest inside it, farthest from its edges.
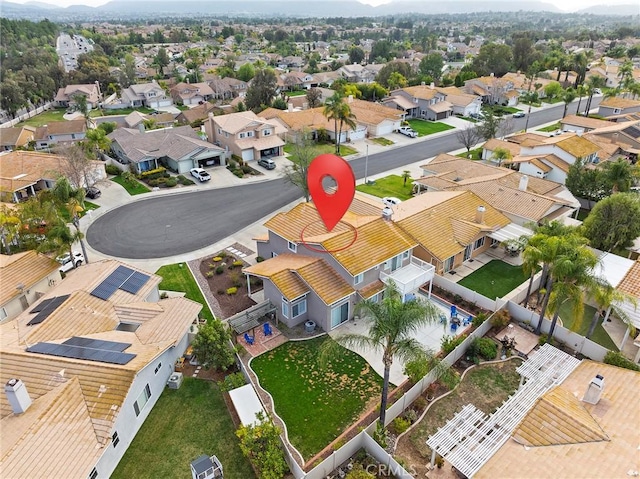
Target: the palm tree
(580, 91)
(606, 296)
(621, 175)
(392, 325)
(406, 175)
(337, 110)
(96, 141)
(594, 82)
(567, 97)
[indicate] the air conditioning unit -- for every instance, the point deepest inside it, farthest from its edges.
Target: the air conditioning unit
(175, 380)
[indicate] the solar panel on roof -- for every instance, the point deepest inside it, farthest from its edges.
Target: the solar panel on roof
(77, 352)
(51, 306)
(41, 306)
(136, 281)
(97, 344)
(109, 286)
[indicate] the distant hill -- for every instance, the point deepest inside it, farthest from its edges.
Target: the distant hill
(613, 10)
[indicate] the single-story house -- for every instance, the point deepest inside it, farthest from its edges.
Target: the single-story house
(54, 132)
(16, 137)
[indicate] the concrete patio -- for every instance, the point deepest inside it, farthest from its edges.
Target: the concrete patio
(473, 264)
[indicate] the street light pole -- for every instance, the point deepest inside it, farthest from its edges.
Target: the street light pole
(366, 165)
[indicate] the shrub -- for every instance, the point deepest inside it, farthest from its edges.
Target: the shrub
(401, 424)
(232, 165)
(479, 319)
(617, 359)
(220, 270)
(449, 343)
(457, 299)
(153, 183)
(339, 443)
(420, 403)
(500, 319)
(148, 173)
(247, 170)
(161, 181)
(411, 415)
(209, 274)
(112, 170)
(211, 266)
(416, 369)
(238, 263)
(238, 173)
(439, 461)
(222, 254)
(259, 259)
(220, 291)
(484, 348)
(261, 444)
(232, 381)
(171, 182)
(236, 278)
(217, 258)
(232, 290)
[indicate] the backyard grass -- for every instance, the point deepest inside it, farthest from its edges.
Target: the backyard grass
(494, 279)
(178, 277)
(424, 128)
(296, 93)
(380, 140)
(486, 387)
(183, 425)
(44, 118)
(317, 404)
(66, 215)
(550, 128)
(391, 185)
(320, 148)
(500, 110)
(599, 335)
(133, 189)
(476, 154)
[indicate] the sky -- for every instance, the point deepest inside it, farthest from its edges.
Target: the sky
(566, 5)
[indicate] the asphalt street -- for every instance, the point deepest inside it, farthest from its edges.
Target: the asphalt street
(177, 224)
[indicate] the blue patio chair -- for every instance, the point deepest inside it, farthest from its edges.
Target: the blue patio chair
(248, 339)
(454, 327)
(454, 312)
(443, 319)
(266, 327)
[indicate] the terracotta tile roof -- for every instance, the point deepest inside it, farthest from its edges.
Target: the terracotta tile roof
(440, 106)
(271, 141)
(376, 242)
(170, 323)
(493, 144)
(236, 122)
(557, 162)
(289, 284)
(312, 118)
(527, 139)
(603, 458)
(370, 113)
(63, 128)
(15, 137)
(576, 145)
(27, 268)
(371, 289)
(542, 166)
(584, 121)
(401, 101)
(630, 284)
(617, 102)
(444, 222)
(325, 281)
(423, 92)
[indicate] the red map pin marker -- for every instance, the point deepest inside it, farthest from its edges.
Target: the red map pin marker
(331, 206)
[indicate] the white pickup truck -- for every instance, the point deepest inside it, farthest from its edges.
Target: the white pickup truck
(68, 261)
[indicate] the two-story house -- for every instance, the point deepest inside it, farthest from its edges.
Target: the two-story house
(150, 95)
(420, 101)
(55, 132)
(65, 96)
(84, 366)
(191, 93)
(493, 90)
(246, 135)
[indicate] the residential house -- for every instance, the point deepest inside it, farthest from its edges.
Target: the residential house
(24, 173)
(197, 114)
(522, 199)
(378, 119)
(550, 158)
(83, 368)
(295, 80)
(178, 149)
(191, 93)
(356, 73)
(226, 88)
(424, 102)
(462, 104)
(621, 137)
(65, 96)
(582, 124)
(630, 285)
(246, 135)
(613, 106)
(574, 429)
(489, 148)
(150, 95)
(16, 137)
(55, 132)
(327, 78)
(26, 277)
(493, 90)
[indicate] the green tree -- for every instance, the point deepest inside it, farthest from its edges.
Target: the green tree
(380, 50)
(314, 97)
(161, 60)
(260, 442)
(594, 82)
(356, 55)
(262, 90)
(129, 75)
(385, 72)
(11, 97)
(301, 157)
(336, 109)
(614, 223)
(392, 326)
(406, 175)
(279, 103)
(567, 97)
(212, 345)
(96, 142)
(553, 90)
(396, 80)
(580, 92)
(246, 72)
(500, 155)
(431, 65)
(621, 175)
(490, 126)
(493, 58)
(80, 101)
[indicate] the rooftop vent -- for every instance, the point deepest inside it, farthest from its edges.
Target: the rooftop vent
(594, 390)
(387, 213)
(480, 214)
(17, 395)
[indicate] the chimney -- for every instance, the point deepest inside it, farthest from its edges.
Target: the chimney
(289, 107)
(387, 213)
(432, 85)
(350, 99)
(422, 83)
(594, 390)
(492, 75)
(480, 214)
(524, 183)
(17, 395)
(141, 127)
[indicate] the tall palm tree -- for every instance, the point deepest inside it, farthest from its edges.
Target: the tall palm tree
(580, 91)
(392, 326)
(621, 175)
(594, 82)
(567, 97)
(336, 109)
(605, 297)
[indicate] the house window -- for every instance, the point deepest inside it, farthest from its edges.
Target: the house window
(479, 243)
(292, 247)
(93, 474)
(115, 439)
(448, 264)
(249, 134)
(142, 400)
(359, 278)
(617, 111)
(274, 254)
(219, 131)
(158, 368)
(3, 313)
(405, 255)
(242, 135)
(299, 308)
(494, 242)
(285, 308)
(226, 134)
(266, 132)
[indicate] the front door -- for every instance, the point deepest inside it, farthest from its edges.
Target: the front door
(339, 314)
(467, 252)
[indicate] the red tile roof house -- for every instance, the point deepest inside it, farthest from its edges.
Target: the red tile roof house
(64, 97)
(191, 93)
(421, 101)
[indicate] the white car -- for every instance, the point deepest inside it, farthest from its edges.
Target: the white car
(68, 261)
(518, 114)
(407, 131)
(200, 174)
(391, 201)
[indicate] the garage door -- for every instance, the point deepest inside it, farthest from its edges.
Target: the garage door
(247, 155)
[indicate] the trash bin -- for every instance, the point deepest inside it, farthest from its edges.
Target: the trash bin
(309, 326)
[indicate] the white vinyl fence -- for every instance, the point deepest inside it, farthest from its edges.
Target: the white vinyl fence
(26, 116)
(466, 293)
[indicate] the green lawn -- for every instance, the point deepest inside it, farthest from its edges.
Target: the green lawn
(380, 140)
(44, 118)
(494, 279)
(64, 212)
(550, 128)
(476, 154)
(296, 93)
(424, 128)
(133, 190)
(320, 148)
(500, 110)
(316, 404)
(599, 336)
(391, 185)
(178, 277)
(184, 424)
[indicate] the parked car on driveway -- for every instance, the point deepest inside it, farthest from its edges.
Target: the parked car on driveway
(267, 163)
(93, 193)
(68, 261)
(200, 174)
(407, 131)
(519, 114)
